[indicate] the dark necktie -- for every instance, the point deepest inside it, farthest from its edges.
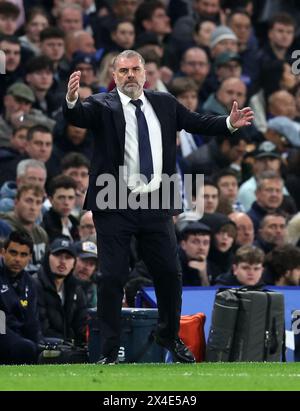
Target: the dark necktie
(146, 162)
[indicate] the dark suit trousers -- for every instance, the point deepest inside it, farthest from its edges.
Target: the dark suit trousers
(158, 247)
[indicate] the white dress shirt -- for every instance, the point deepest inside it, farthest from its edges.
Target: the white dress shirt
(131, 154)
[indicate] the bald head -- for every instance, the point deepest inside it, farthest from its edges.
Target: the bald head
(70, 17)
(195, 64)
(282, 103)
(85, 41)
(79, 40)
(230, 90)
(245, 229)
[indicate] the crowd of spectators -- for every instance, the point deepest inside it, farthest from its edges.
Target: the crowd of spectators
(208, 54)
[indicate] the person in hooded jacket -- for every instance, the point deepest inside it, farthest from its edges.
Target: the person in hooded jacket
(224, 232)
(61, 300)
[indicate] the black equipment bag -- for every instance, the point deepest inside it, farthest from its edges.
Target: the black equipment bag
(137, 344)
(57, 351)
(247, 325)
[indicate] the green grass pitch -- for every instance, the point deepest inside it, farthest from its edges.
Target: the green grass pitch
(156, 377)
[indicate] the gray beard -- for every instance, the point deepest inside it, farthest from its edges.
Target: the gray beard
(133, 94)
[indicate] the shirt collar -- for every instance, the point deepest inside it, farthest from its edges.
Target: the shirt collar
(125, 100)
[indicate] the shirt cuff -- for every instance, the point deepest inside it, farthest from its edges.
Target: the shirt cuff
(71, 104)
(229, 126)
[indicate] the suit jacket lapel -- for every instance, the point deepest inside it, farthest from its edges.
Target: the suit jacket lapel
(113, 100)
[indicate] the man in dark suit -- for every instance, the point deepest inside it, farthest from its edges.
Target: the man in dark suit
(137, 129)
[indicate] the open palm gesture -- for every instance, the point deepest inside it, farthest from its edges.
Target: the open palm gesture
(240, 118)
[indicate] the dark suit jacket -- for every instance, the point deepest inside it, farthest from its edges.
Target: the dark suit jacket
(103, 114)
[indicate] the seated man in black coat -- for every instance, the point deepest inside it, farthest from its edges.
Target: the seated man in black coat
(61, 300)
(58, 221)
(272, 231)
(193, 252)
(19, 332)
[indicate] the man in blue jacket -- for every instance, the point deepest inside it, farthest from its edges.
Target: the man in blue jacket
(19, 328)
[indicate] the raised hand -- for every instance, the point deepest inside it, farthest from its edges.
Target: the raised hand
(240, 118)
(73, 86)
